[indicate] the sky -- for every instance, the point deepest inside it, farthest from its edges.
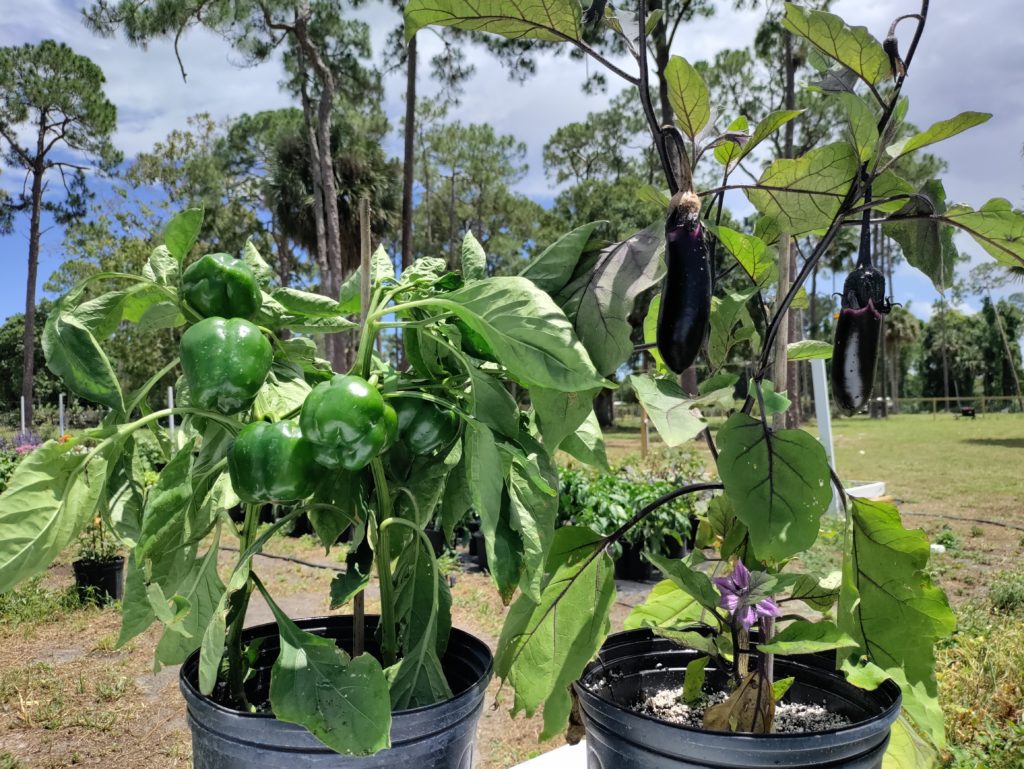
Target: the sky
(969, 59)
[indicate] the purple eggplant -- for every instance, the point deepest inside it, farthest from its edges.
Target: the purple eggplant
(685, 314)
(858, 332)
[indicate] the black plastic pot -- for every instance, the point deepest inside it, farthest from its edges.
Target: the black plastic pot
(474, 542)
(440, 736)
(100, 581)
(631, 564)
(436, 537)
(479, 548)
(633, 664)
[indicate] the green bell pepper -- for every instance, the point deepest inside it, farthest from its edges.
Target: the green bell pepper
(424, 426)
(272, 463)
(348, 422)
(218, 285)
(225, 363)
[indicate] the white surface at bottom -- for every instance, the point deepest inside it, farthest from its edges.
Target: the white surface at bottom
(565, 757)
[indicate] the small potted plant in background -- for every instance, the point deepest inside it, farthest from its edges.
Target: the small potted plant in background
(99, 569)
(738, 632)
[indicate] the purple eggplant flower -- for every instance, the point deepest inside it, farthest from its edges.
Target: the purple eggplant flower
(738, 598)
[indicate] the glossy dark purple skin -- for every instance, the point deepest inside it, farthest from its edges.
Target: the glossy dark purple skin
(685, 313)
(858, 332)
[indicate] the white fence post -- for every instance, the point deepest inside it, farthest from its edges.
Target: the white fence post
(22, 413)
(170, 405)
(60, 413)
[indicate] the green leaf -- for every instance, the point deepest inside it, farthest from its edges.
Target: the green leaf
(587, 443)
(693, 680)
(420, 484)
(688, 94)
(694, 582)
(167, 502)
(768, 125)
(493, 404)
(533, 506)
(559, 414)
(653, 197)
(996, 227)
(802, 637)
(343, 702)
(303, 303)
(136, 613)
(161, 315)
(651, 333)
(457, 499)
(381, 267)
(861, 124)
(49, 499)
(182, 232)
(927, 243)
(555, 20)
(74, 355)
(669, 409)
(358, 564)
(282, 394)
(774, 403)
(258, 265)
(545, 645)
(527, 332)
(349, 296)
(781, 686)
(807, 191)
(162, 267)
(808, 349)
(552, 269)
(727, 150)
(601, 299)
(666, 606)
(938, 132)
(474, 260)
(906, 750)
(853, 47)
(778, 482)
(890, 606)
(730, 324)
(820, 594)
(202, 595)
(752, 253)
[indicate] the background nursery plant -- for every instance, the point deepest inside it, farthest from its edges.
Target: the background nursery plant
(267, 422)
(882, 615)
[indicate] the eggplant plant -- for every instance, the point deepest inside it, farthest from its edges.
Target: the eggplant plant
(881, 615)
(264, 421)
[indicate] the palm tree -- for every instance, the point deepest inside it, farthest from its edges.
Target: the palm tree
(901, 328)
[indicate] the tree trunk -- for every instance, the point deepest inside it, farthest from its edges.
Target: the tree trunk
(29, 339)
(408, 164)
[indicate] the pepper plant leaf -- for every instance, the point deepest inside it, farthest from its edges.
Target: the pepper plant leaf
(50, 497)
(202, 594)
(804, 194)
(555, 20)
(559, 414)
(689, 96)
(853, 47)
(553, 267)
(343, 701)
(940, 131)
(587, 443)
(474, 261)
(182, 232)
(527, 332)
(545, 645)
(74, 355)
(778, 482)
(889, 605)
(258, 265)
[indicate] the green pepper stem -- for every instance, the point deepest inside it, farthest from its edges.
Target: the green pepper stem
(421, 535)
(382, 555)
(239, 605)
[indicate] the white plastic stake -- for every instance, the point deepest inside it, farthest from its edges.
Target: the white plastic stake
(60, 412)
(823, 413)
(22, 413)
(170, 405)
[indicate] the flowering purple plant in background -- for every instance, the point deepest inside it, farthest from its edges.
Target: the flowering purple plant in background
(24, 442)
(740, 600)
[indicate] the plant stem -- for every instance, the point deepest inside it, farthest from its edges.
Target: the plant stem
(389, 633)
(644, 90)
(236, 621)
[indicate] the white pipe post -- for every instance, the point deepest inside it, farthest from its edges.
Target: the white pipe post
(823, 413)
(170, 405)
(23, 414)
(60, 413)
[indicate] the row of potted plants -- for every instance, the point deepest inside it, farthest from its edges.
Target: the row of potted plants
(385, 452)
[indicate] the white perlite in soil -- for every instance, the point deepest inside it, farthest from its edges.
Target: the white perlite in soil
(790, 717)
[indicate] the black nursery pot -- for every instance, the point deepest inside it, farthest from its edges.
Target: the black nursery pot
(478, 548)
(436, 537)
(636, 663)
(101, 581)
(631, 564)
(440, 736)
